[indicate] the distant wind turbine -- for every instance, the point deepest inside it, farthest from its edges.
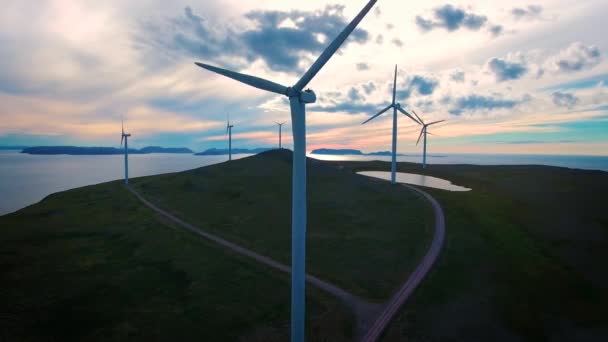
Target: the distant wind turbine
(280, 124)
(396, 107)
(424, 131)
(298, 98)
(125, 136)
(229, 133)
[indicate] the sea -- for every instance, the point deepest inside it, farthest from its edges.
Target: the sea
(26, 179)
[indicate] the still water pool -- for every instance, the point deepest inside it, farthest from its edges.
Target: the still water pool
(412, 178)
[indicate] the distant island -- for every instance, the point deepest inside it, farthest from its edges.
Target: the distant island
(336, 151)
(382, 153)
(158, 149)
(347, 151)
(76, 150)
(223, 151)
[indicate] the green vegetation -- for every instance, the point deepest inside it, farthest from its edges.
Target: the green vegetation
(93, 264)
(363, 236)
(524, 257)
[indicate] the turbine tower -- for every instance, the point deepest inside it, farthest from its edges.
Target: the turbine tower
(396, 107)
(280, 124)
(424, 132)
(125, 136)
(229, 132)
(298, 98)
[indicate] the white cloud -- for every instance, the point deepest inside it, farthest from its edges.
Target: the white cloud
(74, 66)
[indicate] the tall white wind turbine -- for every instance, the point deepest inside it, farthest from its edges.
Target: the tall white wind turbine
(125, 136)
(424, 131)
(298, 98)
(396, 107)
(280, 124)
(229, 132)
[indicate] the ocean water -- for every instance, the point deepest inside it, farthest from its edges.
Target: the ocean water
(26, 179)
(574, 162)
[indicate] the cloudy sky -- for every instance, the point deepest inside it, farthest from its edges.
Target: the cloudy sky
(509, 76)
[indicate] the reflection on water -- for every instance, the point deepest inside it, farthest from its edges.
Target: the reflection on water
(412, 178)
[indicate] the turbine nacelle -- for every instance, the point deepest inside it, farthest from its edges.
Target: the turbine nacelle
(395, 105)
(123, 135)
(424, 131)
(308, 96)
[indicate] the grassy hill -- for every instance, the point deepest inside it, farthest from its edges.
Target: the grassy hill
(94, 264)
(354, 223)
(523, 258)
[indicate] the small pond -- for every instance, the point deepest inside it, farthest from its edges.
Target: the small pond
(412, 178)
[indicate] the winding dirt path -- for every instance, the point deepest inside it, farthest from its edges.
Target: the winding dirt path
(394, 304)
(362, 309)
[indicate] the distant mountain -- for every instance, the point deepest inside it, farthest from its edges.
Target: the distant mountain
(380, 153)
(336, 151)
(158, 149)
(347, 151)
(222, 151)
(76, 150)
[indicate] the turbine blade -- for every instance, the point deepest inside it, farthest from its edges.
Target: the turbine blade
(408, 115)
(122, 124)
(420, 136)
(332, 48)
(419, 118)
(434, 122)
(379, 113)
(253, 81)
(395, 84)
(121, 139)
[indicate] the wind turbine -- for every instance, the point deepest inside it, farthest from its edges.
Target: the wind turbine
(280, 124)
(229, 132)
(125, 136)
(396, 107)
(424, 131)
(298, 98)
